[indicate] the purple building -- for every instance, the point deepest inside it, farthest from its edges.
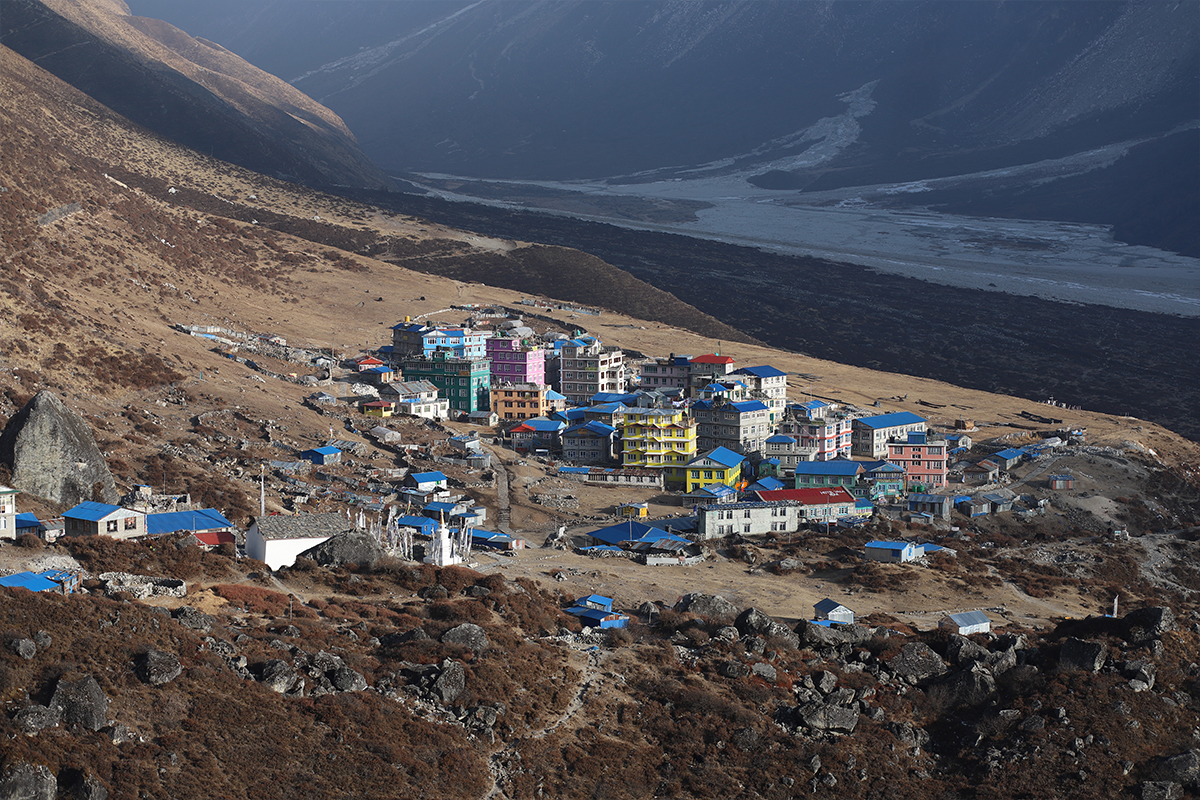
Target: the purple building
(516, 361)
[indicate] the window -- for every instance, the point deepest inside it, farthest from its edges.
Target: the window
(112, 526)
(746, 513)
(746, 528)
(131, 523)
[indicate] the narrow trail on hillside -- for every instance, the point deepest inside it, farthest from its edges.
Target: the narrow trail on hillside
(590, 675)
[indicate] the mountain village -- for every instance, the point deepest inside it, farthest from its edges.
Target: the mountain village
(717, 450)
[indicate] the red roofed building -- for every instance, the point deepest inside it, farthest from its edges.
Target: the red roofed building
(816, 505)
(368, 362)
(211, 539)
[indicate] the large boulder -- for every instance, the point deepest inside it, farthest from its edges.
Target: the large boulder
(37, 718)
(1145, 624)
(25, 648)
(917, 661)
(706, 605)
(821, 716)
(813, 635)
(1077, 654)
(1183, 768)
(28, 782)
(278, 676)
(752, 621)
(961, 650)
(157, 667)
(469, 635)
(352, 547)
(345, 679)
(52, 454)
(970, 687)
(450, 682)
(82, 703)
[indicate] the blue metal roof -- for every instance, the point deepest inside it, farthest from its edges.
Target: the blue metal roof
(440, 506)
(891, 420)
(27, 580)
(722, 455)
(606, 408)
(427, 477)
(553, 395)
(205, 519)
(828, 468)
(762, 372)
(766, 483)
(327, 450)
(746, 406)
(424, 523)
(1010, 453)
(624, 532)
(31, 521)
(544, 425)
(598, 428)
(90, 511)
(780, 438)
(889, 545)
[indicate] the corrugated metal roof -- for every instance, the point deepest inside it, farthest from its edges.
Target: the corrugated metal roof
(202, 520)
(303, 526)
(764, 371)
(90, 511)
(891, 420)
(828, 468)
(825, 606)
(965, 619)
(427, 477)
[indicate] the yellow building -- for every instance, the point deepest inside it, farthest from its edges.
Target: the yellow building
(719, 465)
(659, 438)
(520, 400)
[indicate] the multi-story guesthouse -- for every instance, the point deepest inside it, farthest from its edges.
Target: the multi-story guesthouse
(516, 401)
(516, 360)
(465, 382)
(587, 367)
(748, 518)
(589, 443)
(923, 459)
(742, 426)
(871, 434)
(706, 369)
(665, 373)
(659, 438)
(809, 433)
(768, 384)
(415, 339)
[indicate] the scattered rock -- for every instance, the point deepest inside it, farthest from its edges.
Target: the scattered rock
(189, 617)
(158, 667)
(37, 718)
(733, 669)
(28, 782)
(345, 679)
(352, 547)
(82, 703)
(475, 590)
(278, 676)
(469, 635)
(1183, 768)
(89, 788)
(1161, 790)
(765, 671)
(827, 717)
(42, 640)
(917, 661)
(327, 662)
(450, 682)
(706, 605)
(1146, 624)
(25, 648)
(1077, 654)
(971, 687)
(824, 681)
(961, 650)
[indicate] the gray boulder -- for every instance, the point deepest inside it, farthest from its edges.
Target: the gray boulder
(1145, 624)
(28, 782)
(821, 716)
(345, 679)
(353, 547)
(25, 648)
(42, 640)
(765, 671)
(813, 635)
(1161, 790)
(278, 676)
(82, 703)
(1077, 654)
(824, 681)
(753, 621)
(450, 682)
(733, 669)
(706, 605)
(469, 635)
(189, 617)
(37, 718)
(158, 667)
(917, 661)
(907, 734)
(961, 650)
(971, 687)
(89, 788)
(327, 662)
(1183, 768)
(52, 454)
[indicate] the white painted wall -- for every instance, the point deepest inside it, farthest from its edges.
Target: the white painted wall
(278, 553)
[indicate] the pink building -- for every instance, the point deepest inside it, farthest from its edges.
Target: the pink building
(515, 361)
(923, 460)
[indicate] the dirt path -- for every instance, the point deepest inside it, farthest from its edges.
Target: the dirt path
(585, 658)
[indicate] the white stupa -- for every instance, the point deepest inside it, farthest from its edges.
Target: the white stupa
(442, 552)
